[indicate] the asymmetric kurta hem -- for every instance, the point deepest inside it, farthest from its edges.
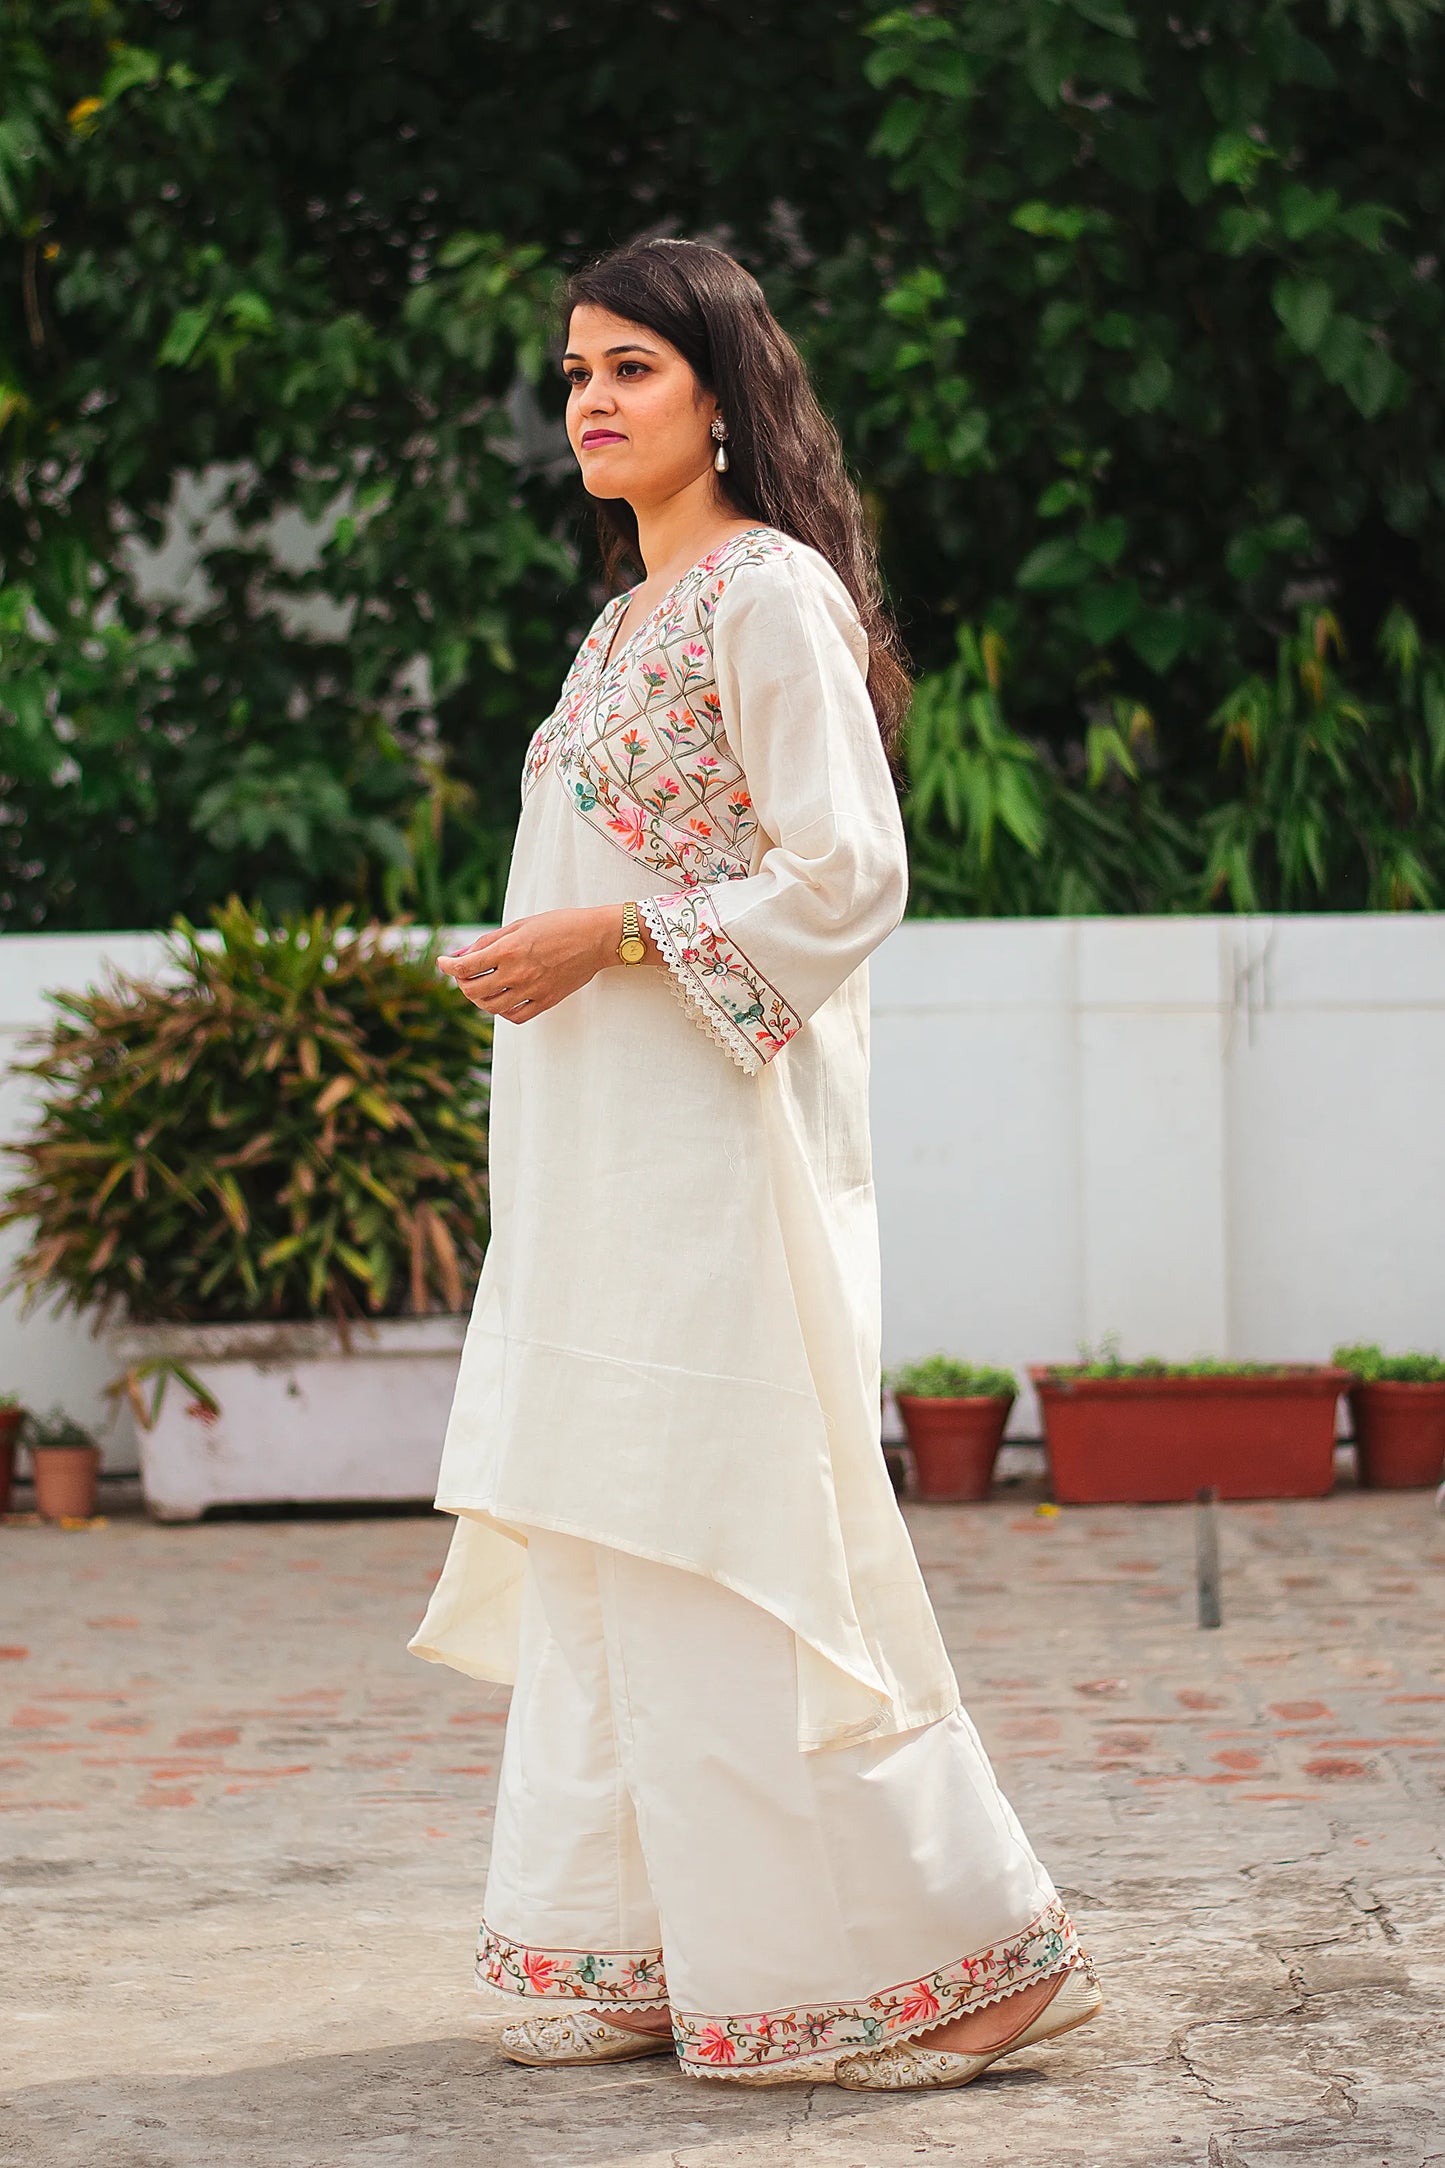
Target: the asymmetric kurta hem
(674, 1346)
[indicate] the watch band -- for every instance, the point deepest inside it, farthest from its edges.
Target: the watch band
(631, 949)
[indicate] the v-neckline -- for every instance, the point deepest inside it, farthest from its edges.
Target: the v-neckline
(615, 654)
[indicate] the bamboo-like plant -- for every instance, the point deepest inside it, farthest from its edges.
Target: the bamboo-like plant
(288, 1122)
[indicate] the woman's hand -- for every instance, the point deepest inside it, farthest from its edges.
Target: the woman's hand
(529, 966)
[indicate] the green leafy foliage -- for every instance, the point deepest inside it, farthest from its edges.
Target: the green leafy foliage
(1333, 799)
(1179, 275)
(1002, 824)
(1336, 795)
(290, 1122)
(1105, 1361)
(940, 1377)
(1129, 320)
(195, 287)
(55, 1431)
(1372, 1366)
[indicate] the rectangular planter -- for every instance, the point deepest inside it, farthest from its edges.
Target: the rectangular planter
(302, 1416)
(1151, 1441)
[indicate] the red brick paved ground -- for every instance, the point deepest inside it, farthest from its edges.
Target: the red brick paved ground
(244, 1836)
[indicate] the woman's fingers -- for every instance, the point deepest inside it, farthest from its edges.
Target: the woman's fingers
(486, 940)
(509, 1001)
(524, 968)
(467, 967)
(484, 954)
(484, 974)
(515, 1004)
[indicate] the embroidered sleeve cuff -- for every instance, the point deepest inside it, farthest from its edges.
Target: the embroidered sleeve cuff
(726, 994)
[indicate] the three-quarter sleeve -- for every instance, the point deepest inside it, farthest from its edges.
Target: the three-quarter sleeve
(755, 957)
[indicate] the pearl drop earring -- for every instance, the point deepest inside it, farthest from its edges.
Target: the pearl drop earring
(720, 456)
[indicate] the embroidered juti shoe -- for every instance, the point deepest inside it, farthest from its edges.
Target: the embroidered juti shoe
(908, 2064)
(578, 2036)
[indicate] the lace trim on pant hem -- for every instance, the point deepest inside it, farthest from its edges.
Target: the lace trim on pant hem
(810, 2038)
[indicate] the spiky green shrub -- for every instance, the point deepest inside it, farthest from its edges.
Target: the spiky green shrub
(290, 1121)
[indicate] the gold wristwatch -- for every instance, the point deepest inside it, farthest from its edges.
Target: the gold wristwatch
(631, 949)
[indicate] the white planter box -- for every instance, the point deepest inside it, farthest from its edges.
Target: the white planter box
(300, 1417)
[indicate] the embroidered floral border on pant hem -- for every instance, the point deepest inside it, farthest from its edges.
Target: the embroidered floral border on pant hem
(511, 1969)
(775, 2041)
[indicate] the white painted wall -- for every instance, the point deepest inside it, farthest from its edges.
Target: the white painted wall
(48, 1361)
(1209, 1136)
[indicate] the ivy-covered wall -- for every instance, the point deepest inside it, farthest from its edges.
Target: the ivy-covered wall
(1130, 317)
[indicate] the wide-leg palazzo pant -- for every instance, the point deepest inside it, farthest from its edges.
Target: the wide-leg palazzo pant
(661, 1839)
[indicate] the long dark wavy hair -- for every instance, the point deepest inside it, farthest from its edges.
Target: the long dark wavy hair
(785, 460)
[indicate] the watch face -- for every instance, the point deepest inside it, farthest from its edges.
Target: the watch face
(632, 951)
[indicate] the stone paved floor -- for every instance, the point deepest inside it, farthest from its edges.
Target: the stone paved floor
(246, 1834)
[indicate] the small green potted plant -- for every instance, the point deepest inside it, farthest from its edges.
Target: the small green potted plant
(11, 1417)
(953, 1415)
(1397, 1408)
(1154, 1432)
(65, 1461)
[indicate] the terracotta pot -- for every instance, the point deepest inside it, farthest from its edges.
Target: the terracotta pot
(10, 1421)
(1148, 1441)
(1399, 1434)
(65, 1480)
(954, 1443)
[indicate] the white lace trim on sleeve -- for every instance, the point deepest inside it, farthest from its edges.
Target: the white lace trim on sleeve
(726, 994)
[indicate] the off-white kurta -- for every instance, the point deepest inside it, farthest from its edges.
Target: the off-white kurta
(674, 1347)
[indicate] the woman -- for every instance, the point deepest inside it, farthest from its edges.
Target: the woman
(742, 1815)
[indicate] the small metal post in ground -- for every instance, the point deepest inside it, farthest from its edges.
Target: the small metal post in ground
(1206, 1553)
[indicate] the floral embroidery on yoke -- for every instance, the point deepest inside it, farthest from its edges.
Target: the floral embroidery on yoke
(545, 737)
(716, 2045)
(595, 1976)
(637, 738)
